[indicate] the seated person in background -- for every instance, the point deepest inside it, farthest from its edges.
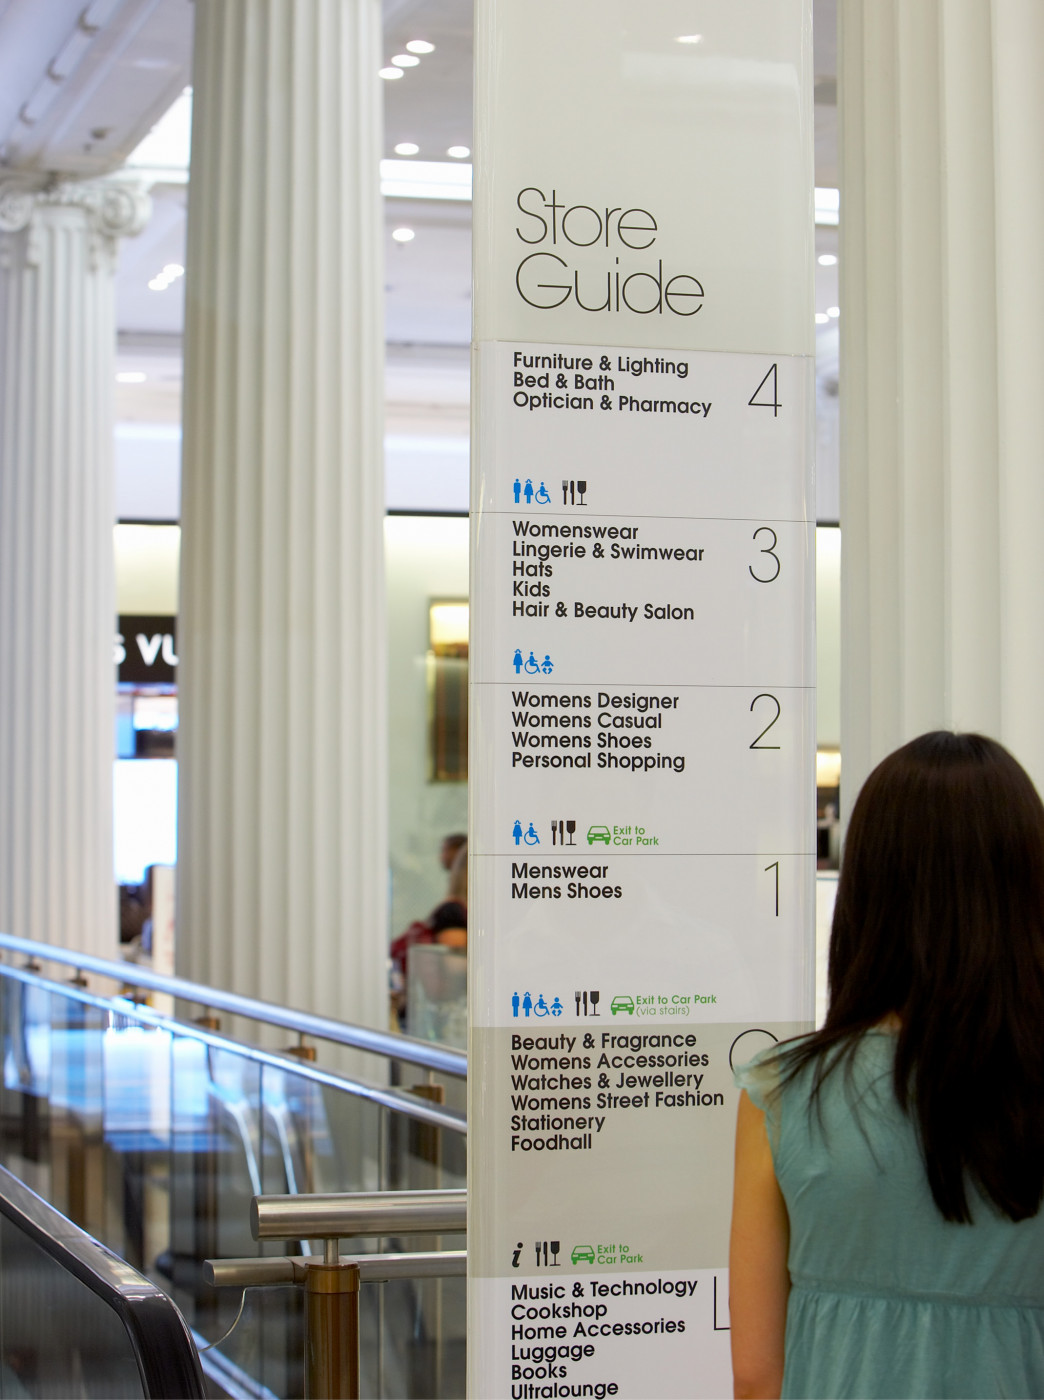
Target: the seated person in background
(450, 849)
(449, 920)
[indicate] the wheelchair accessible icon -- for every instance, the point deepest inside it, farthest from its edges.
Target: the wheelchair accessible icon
(528, 835)
(541, 495)
(530, 665)
(529, 1007)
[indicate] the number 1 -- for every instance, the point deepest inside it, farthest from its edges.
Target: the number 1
(775, 866)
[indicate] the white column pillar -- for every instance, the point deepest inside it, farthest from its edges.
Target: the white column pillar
(1018, 98)
(942, 349)
(57, 586)
(282, 834)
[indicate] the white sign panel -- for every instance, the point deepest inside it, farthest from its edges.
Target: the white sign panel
(642, 666)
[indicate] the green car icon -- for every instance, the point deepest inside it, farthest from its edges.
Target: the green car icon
(622, 1004)
(582, 1254)
(598, 833)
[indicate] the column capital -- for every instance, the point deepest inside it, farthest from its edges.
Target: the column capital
(17, 200)
(113, 209)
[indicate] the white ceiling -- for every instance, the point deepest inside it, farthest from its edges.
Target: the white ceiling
(81, 83)
(116, 65)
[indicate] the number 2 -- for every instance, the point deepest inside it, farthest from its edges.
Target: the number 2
(757, 742)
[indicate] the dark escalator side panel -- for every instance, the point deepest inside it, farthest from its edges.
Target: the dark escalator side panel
(75, 1321)
(58, 1338)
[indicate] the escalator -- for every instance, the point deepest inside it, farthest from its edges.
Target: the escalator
(152, 1131)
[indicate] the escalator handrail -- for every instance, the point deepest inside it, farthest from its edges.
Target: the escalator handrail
(397, 1100)
(166, 1356)
(373, 1042)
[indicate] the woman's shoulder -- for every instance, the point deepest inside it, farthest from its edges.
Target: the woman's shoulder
(762, 1076)
(787, 1066)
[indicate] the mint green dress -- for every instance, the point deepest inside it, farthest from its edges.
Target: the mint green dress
(887, 1298)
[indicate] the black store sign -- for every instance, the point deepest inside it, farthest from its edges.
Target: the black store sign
(146, 650)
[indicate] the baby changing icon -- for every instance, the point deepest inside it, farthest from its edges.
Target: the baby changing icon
(529, 1007)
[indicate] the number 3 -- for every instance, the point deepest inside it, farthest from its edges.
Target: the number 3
(770, 550)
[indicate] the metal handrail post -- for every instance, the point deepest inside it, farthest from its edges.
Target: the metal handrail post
(331, 1283)
(332, 1327)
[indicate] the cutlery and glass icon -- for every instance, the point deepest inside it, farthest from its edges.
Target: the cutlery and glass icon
(543, 1248)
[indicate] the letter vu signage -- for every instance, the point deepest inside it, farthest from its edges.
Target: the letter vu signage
(642, 851)
(146, 650)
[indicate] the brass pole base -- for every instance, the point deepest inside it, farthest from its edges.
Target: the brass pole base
(332, 1343)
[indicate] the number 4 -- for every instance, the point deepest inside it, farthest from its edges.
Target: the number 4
(772, 387)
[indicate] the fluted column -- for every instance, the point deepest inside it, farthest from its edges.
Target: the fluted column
(942, 355)
(282, 865)
(57, 586)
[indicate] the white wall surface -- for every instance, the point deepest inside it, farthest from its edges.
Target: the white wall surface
(147, 568)
(427, 473)
(828, 637)
(148, 471)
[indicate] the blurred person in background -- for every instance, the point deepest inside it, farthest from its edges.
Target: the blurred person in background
(447, 923)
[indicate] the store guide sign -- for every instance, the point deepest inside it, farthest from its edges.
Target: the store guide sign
(642, 668)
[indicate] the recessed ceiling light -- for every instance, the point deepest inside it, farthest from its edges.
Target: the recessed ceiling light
(173, 270)
(131, 376)
(827, 260)
(405, 60)
(688, 38)
(407, 148)
(833, 311)
(459, 152)
(420, 46)
(821, 318)
(388, 73)
(403, 235)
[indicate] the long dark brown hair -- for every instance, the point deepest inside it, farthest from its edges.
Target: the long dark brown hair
(939, 920)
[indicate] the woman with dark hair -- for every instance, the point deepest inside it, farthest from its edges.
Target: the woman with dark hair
(887, 1238)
